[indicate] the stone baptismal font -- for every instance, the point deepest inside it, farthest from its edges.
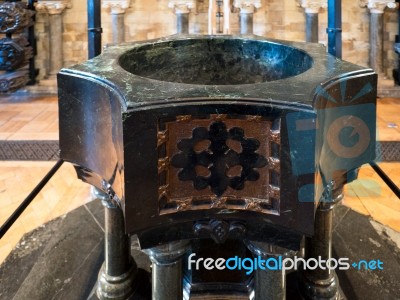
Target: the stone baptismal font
(217, 146)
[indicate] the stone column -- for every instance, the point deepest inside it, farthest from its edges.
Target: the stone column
(55, 11)
(167, 270)
(321, 283)
(376, 8)
(312, 9)
(269, 284)
(118, 276)
(182, 9)
(247, 9)
(117, 9)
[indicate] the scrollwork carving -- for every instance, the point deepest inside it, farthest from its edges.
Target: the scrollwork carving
(53, 7)
(247, 6)
(377, 6)
(10, 82)
(14, 53)
(220, 230)
(14, 17)
(312, 6)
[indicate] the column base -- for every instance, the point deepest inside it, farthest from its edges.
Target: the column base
(116, 287)
(50, 83)
(269, 284)
(167, 269)
(319, 289)
(46, 86)
(140, 288)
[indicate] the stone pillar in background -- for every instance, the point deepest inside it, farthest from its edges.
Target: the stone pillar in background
(117, 9)
(312, 9)
(376, 8)
(247, 9)
(182, 9)
(55, 10)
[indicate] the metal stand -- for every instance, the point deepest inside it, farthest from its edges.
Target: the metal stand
(269, 284)
(167, 273)
(334, 29)
(321, 283)
(117, 275)
(396, 72)
(94, 28)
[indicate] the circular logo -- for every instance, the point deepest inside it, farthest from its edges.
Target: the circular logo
(359, 128)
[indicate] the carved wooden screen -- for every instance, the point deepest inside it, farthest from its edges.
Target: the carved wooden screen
(219, 161)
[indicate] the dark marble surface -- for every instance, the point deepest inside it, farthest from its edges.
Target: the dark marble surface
(142, 86)
(216, 61)
(61, 259)
(122, 98)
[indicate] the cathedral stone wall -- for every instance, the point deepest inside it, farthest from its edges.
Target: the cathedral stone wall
(278, 19)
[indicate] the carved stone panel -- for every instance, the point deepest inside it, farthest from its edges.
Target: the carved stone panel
(220, 230)
(219, 161)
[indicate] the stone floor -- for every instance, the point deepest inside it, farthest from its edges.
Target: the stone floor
(63, 193)
(60, 260)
